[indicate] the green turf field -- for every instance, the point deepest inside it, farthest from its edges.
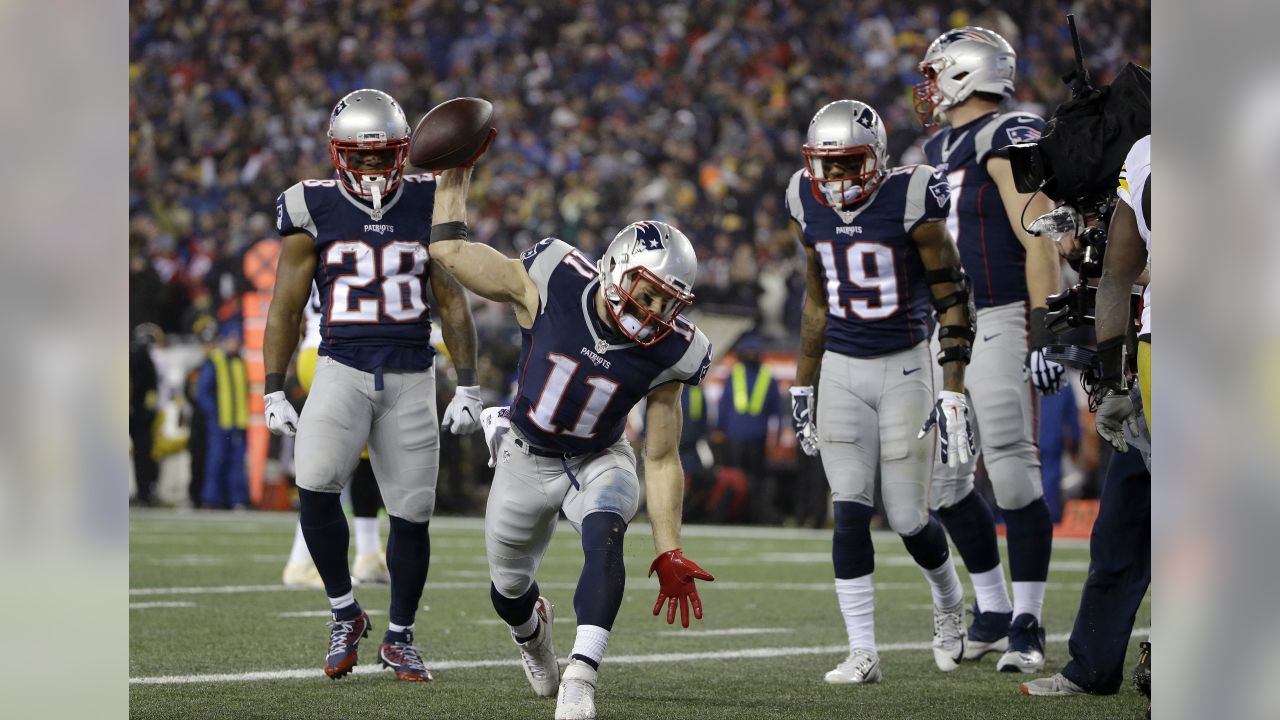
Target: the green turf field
(205, 600)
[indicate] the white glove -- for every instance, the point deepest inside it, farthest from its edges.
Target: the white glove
(951, 415)
(496, 422)
(1113, 412)
(463, 414)
(282, 419)
(802, 419)
(1045, 375)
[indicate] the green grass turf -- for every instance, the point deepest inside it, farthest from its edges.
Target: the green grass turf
(242, 632)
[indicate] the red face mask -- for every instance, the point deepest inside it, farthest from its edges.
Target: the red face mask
(645, 306)
(357, 178)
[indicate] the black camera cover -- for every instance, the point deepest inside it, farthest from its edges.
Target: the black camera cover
(1085, 141)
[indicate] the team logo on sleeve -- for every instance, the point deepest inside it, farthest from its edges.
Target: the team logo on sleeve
(539, 247)
(648, 237)
(280, 216)
(941, 192)
(1022, 134)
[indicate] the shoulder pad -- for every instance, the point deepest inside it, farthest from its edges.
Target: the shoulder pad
(542, 260)
(692, 365)
(292, 213)
(794, 187)
(1004, 130)
(928, 197)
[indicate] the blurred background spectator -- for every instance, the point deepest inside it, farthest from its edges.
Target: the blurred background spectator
(691, 113)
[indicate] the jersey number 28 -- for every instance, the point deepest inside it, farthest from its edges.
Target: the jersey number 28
(400, 266)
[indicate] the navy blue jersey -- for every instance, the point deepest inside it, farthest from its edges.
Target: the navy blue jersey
(577, 383)
(371, 272)
(877, 299)
(990, 252)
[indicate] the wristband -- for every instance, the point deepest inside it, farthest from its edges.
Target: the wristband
(449, 231)
(1111, 355)
(274, 383)
(466, 377)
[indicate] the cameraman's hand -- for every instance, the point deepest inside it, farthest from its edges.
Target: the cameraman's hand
(1069, 247)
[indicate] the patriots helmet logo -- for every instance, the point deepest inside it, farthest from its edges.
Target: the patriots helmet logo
(342, 105)
(648, 237)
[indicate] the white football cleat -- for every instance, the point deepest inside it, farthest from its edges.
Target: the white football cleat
(539, 656)
(1054, 685)
(862, 666)
(302, 574)
(371, 569)
(577, 698)
(948, 637)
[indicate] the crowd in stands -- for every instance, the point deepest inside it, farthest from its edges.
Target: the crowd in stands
(692, 113)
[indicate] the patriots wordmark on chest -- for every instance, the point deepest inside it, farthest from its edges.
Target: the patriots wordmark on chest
(849, 230)
(595, 357)
(380, 229)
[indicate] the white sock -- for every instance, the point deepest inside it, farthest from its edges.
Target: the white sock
(299, 552)
(857, 605)
(528, 627)
(1028, 597)
(342, 601)
(945, 584)
(992, 593)
(399, 628)
(367, 536)
(590, 642)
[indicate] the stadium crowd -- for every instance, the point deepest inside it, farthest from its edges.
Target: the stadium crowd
(692, 113)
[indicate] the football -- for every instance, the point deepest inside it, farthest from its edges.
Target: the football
(451, 133)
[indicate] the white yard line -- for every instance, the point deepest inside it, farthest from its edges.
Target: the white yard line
(321, 614)
(744, 654)
(724, 632)
(154, 605)
(718, 585)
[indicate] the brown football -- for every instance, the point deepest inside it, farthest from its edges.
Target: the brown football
(451, 133)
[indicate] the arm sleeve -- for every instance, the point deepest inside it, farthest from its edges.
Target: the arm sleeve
(292, 213)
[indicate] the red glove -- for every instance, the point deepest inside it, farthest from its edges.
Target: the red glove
(493, 133)
(676, 574)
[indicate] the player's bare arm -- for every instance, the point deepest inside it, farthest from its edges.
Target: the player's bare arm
(456, 325)
(813, 321)
(1043, 276)
(664, 478)
(940, 256)
(481, 269)
(1122, 266)
(294, 273)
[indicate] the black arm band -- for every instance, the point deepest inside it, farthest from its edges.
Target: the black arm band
(1111, 354)
(963, 332)
(1039, 333)
(942, 304)
(449, 231)
(955, 353)
(466, 377)
(274, 383)
(945, 275)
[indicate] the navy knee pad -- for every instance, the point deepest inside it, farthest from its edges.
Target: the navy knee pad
(928, 547)
(514, 611)
(408, 558)
(852, 553)
(324, 527)
(604, 572)
(973, 529)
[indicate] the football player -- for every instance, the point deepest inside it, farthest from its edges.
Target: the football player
(362, 237)
(371, 563)
(598, 339)
(968, 73)
(879, 253)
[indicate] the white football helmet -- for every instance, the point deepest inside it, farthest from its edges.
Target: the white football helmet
(846, 152)
(647, 261)
(369, 122)
(959, 63)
